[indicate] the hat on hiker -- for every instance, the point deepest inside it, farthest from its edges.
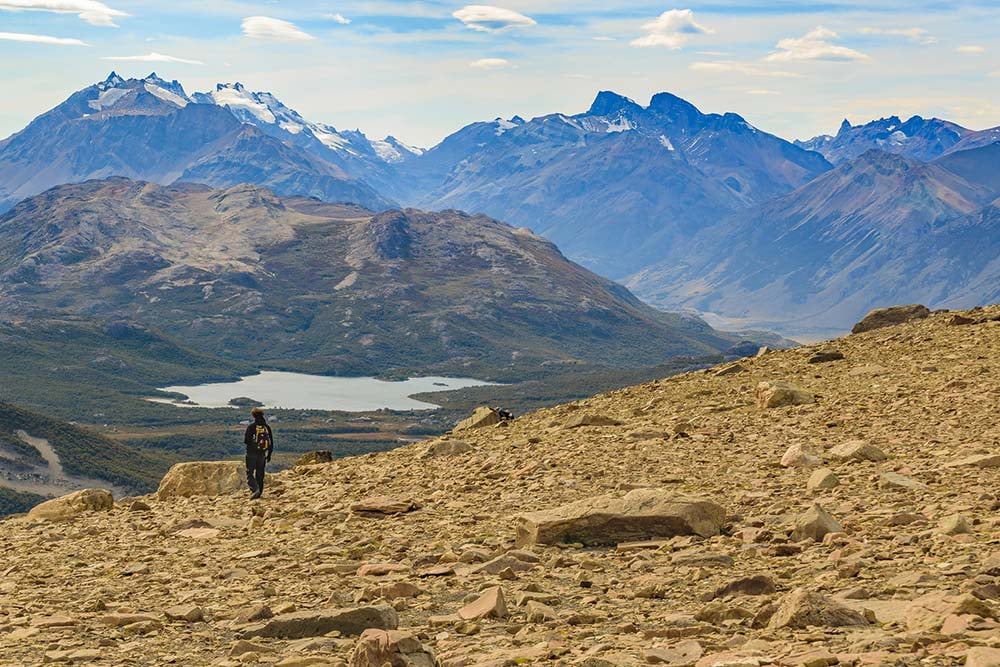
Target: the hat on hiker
(257, 411)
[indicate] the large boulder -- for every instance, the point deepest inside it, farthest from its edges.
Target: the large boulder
(74, 504)
(642, 514)
(481, 417)
(888, 317)
(778, 394)
(203, 478)
(318, 622)
(802, 609)
(396, 648)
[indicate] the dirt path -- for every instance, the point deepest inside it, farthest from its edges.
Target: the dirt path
(45, 449)
(50, 479)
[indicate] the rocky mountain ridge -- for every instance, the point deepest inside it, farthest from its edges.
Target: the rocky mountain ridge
(832, 504)
(880, 229)
(244, 274)
(150, 129)
(917, 138)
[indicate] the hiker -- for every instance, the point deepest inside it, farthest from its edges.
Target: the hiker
(260, 445)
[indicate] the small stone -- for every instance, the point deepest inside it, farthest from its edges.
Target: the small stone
(824, 478)
(857, 450)
(825, 356)
(797, 456)
(814, 524)
(777, 394)
(895, 481)
(190, 613)
(379, 506)
(491, 604)
(315, 458)
(956, 524)
(682, 654)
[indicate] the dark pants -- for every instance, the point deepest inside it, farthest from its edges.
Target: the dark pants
(256, 460)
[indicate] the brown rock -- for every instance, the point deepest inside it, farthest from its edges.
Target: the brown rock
(491, 604)
(682, 654)
(802, 608)
(605, 520)
(758, 584)
(73, 505)
(982, 656)
(189, 613)
(590, 419)
(203, 478)
(379, 506)
(481, 417)
(824, 478)
(978, 461)
(857, 450)
(777, 394)
(315, 458)
(887, 317)
(446, 448)
(814, 524)
(317, 622)
(395, 648)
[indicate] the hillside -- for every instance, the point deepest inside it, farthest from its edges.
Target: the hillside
(149, 129)
(898, 566)
(879, 230)
(245, 275)
(39, 454)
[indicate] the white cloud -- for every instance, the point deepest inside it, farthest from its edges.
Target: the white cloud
(490, 63)
(91, 11)
(971, 49)
(815, 45)
(265, 27)
(40, 39)
(154, 58)
(760, 91)
(747, 69)
(604, 38)
(671, 29)
(919, 35)
(339, 18)
(486, 18)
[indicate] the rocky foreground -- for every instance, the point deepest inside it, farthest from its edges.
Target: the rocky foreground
(832, 504)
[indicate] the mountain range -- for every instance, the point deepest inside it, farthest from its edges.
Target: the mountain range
(680, 205)
(150, 129)
(244, 274)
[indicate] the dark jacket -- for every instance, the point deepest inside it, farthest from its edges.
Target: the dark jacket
(248, 438)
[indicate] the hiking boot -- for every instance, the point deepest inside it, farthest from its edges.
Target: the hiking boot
(255, 495)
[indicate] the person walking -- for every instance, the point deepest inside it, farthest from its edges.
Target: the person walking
(260, 444)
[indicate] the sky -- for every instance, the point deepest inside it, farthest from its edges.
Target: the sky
(420, 70)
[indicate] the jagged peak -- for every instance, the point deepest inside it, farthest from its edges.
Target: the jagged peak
(669, 103)
(608, 102)
(845, 126)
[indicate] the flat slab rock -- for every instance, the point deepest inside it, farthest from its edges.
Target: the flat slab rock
(605, 520)
(318, 622)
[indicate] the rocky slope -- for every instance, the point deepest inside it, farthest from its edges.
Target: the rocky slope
(879, 230)
(243, 274)
(149, 129)
(858, 528)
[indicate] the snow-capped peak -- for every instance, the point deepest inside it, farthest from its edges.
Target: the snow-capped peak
(113, 81)
(393, 150)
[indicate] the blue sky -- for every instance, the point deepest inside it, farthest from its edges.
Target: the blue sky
(420, 70)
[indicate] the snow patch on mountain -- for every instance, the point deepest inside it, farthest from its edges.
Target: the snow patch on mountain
(107, 98)
(166, 95)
